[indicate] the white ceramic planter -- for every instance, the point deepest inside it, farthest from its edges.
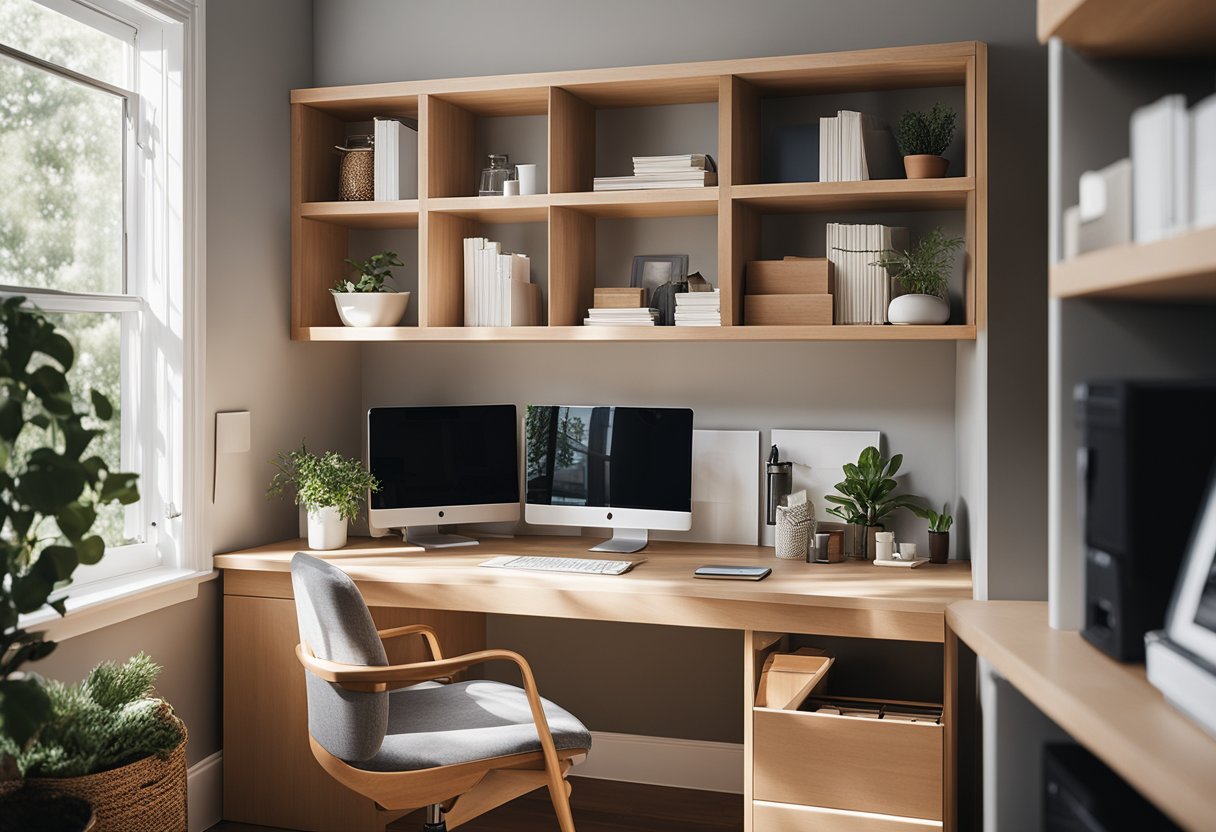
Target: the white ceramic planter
(918, 309)
(326, 529)
(371, 308)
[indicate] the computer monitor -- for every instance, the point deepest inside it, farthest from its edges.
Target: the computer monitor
(627, 468)
(443, 465)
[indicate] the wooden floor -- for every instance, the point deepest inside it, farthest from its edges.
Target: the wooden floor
(599, 806)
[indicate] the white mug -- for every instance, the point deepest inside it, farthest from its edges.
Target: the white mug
(907, 551)
(510, 187)
(527, 179)
(884, 545)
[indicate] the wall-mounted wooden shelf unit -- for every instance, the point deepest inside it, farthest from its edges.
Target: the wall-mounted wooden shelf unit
(449, 113)
(1126, 28)
(1175, 270)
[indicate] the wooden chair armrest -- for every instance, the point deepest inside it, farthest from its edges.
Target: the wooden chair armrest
(424, 630)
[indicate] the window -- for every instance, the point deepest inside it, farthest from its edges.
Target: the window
(93, 230)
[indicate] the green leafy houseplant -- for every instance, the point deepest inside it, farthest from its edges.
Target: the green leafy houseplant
(926, 133)
(50, 489)
(328, 480)
(925, 268)
(370, 274)
(938, 523)
(865, 494)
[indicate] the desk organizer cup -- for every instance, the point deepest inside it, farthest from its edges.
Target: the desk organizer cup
(795, 527)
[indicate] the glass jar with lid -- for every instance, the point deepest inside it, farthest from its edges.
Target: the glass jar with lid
(493, 177)
(357, 172)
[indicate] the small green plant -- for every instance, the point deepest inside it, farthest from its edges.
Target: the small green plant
(925, 268)
(370, 273)
(108, 720)
(51, 486)
(326, 481)
(940, 523)
(866, 490)
(926, 133)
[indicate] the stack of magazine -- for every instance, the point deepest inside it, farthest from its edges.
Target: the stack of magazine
(855, 146)
(498, 287)
(699, 308)
(863, 289)
(689, 170)
(640, 316)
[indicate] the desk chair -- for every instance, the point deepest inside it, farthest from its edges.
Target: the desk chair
(458, 749)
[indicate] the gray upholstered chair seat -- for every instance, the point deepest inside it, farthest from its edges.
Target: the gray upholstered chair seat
(441, 725)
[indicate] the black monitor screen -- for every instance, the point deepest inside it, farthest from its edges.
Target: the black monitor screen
(443, 456)
(618, 457)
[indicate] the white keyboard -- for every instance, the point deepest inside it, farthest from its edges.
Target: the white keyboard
(586, 566)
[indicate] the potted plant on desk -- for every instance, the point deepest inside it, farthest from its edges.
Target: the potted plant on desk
(366, 300)
(939, 531)
(329, 486)
(923, 273)
(923, 138)
(865, 498)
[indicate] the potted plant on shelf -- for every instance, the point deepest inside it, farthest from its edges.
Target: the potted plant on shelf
(866, 497)
(110, 742)
(923, 137)
(365, 299)
(939, 531)
(52, 484)
(923, 274)
(329, 486)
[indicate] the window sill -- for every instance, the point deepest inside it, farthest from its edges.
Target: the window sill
(109, 602)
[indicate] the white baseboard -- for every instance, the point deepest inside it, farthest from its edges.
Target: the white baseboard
(205, 793)
(659, 761)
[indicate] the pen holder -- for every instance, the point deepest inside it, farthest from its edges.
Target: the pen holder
(795, 527)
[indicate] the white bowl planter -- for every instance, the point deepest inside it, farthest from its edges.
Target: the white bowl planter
(326, 529)
(371, 308)
(918, 309)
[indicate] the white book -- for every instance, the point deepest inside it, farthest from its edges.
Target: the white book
(823, 149)
(1158, 178)
(472, 245)
(1203, 156)
(407, 161)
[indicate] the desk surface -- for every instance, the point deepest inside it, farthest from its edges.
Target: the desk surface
(852, 598)
(1108, 707)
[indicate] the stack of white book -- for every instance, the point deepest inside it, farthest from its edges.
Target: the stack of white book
(699, 308)
(640, 316)
(863, 290)
(498, 287)
(395, 160)
(855, 146)
(1173, 167)
(689, 170)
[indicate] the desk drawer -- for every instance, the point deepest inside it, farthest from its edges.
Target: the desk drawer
(782, 817)
(841, 762)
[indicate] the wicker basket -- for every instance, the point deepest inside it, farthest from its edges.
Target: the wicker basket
(148, 795)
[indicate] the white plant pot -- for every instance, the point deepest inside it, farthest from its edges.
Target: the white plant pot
(918, 309)
(371, 308)
(326, 529)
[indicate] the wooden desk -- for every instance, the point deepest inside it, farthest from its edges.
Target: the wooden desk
(270, 777)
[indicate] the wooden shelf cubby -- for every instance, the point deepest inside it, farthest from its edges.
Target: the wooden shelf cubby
(1178, 269)
(580, 124)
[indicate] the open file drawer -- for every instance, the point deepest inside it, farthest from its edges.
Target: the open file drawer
(888, 766)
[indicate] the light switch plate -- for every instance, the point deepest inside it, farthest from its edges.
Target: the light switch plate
(232, 432)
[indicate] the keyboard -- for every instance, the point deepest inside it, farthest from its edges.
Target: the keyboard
(584, 566)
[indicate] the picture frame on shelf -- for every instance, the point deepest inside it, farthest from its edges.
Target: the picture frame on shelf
(650, 271)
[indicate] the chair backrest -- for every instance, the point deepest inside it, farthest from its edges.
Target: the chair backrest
(336, 626)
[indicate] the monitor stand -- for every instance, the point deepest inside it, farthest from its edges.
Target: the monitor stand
(429, 537)
(624, 542)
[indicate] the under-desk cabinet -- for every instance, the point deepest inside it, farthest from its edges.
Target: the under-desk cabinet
(829, 762)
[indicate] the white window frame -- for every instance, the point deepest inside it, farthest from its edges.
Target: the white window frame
(165, 268)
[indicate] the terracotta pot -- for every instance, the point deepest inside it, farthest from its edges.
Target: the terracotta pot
(939, 547)
(924, 166)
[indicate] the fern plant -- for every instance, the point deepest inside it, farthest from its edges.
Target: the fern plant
(370, 274)
(925, 268)
(108, 720)
(329, 480)
(926, 133)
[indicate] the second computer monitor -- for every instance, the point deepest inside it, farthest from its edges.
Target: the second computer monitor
(627, 468)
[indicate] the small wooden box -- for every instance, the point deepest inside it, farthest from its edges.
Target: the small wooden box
(792, 276)
(619, 298)
(778, 310)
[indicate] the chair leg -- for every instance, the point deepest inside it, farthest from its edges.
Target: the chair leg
(559, 791)
(434, 819)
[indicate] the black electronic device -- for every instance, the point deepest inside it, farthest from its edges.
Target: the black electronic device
(1147, 448)
(1081, 794)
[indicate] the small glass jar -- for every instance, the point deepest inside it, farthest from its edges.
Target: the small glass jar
(357, 172)
(493, 177)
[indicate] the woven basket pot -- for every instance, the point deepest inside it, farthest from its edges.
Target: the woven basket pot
(148, 795)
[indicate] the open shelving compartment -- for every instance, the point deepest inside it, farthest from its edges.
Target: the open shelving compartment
(713, 107)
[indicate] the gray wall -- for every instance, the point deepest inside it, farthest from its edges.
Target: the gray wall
(904, 390)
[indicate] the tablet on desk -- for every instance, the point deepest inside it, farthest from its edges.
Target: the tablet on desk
(733, 573)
